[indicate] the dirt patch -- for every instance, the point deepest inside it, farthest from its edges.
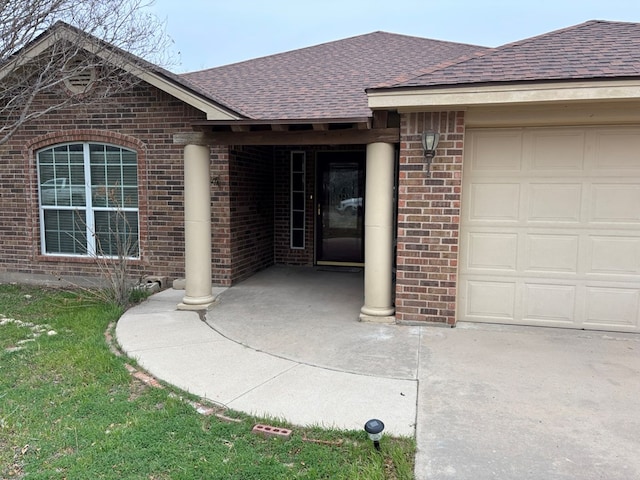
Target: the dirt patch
(15, 470)
(136, 389)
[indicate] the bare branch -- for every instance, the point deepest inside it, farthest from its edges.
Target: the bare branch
(94, 54)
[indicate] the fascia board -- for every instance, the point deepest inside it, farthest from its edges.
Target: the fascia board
(522, 94)
(34, 51)
(212, 111)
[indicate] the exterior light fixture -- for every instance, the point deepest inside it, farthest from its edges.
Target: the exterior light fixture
(374, 428)
(430, 139)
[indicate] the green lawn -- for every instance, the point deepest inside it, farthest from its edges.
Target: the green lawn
(69, 409)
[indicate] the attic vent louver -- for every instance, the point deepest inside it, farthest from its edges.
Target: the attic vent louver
(79, 76)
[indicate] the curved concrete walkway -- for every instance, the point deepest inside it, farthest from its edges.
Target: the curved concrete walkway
(248, 356)
(484, 401)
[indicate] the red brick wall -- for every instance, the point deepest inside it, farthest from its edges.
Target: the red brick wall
(429, 219)
(220, 217)
(144, 120)
(251, 209)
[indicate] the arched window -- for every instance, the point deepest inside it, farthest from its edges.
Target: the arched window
(89, 200)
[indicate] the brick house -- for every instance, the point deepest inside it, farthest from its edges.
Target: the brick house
(527, 213)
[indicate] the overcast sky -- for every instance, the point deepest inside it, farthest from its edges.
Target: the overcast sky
(209, 33)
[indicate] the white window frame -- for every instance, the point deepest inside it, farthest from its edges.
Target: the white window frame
(303, 173)
(88, 208)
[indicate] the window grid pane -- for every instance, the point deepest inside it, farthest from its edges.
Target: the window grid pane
(112, 169)
(116, 233)
(61, 173)
(65, 232)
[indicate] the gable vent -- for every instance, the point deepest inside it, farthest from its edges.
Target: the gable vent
(80, 77)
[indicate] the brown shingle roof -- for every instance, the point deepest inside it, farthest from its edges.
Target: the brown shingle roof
(591, 50)
(323, 81)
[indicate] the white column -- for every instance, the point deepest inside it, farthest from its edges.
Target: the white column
(378, 234)
(197, 229)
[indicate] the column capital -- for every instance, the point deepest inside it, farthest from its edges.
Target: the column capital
(191, 138)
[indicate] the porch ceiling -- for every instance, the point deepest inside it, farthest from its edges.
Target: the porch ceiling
(319, 131)
(249, 125)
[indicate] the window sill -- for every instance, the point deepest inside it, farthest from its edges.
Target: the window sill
(82, 260)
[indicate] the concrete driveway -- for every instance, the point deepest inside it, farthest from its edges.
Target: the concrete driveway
(499, 402)
(486, 401)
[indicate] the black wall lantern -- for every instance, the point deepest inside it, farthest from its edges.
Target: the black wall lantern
(430, 139)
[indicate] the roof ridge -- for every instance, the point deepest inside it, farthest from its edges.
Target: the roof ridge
(273, 55)
(490, 51)
(427, 70)
(545, 34)
(555, 55)
(323, 44)
(437, 40)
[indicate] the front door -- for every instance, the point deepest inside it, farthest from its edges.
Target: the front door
(340, 208)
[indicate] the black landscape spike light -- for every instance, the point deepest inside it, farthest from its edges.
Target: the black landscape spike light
(374, 428)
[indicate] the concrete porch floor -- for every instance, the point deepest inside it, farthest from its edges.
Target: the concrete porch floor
(484, 401)
(311, 315)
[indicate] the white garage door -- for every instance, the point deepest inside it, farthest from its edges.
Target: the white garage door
(550, 227)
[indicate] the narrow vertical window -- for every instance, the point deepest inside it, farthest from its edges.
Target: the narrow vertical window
(89, 200)
(297, 201)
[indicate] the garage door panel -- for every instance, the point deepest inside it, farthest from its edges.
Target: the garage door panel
(551, 253)
(612, 307)
(495, 201)
(491, 300)
(550, 227)
(554, 150)
(615, 203)
(497, 150)
(615, 149)
(496, 251)
(614, 255)
(553, 202)
(549, 303)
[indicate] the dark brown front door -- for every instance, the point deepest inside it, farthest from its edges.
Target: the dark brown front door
(340, 208)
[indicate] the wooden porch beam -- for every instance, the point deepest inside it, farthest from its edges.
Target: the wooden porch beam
(306, 137)
(380, 119)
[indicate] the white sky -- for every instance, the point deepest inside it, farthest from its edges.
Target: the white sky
(209, 33)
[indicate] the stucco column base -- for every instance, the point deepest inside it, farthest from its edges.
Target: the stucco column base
(378, 317)
(199, 303)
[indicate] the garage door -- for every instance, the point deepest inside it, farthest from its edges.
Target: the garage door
(550, 227)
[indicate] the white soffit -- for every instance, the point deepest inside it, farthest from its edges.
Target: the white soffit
(425, 99)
